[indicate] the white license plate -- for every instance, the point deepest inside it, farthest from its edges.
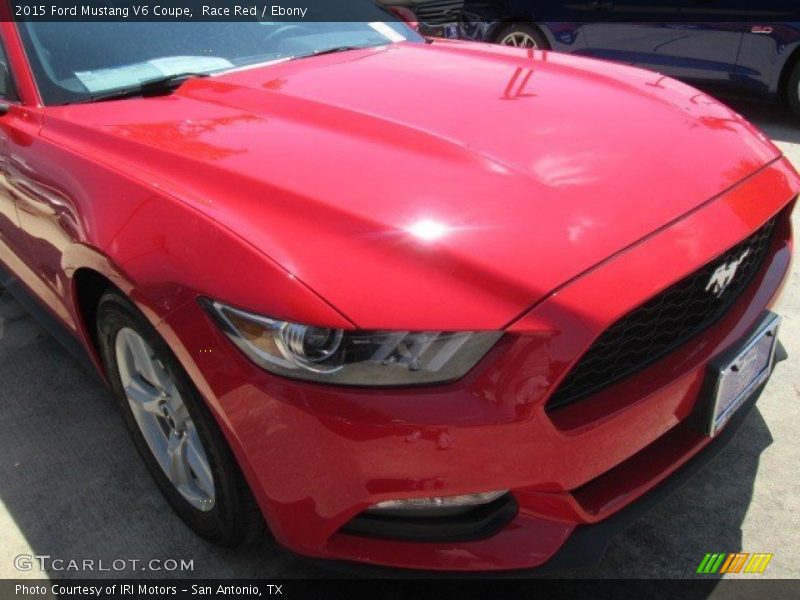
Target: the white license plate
(738, 376)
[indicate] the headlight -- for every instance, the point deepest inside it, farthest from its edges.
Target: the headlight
(364, 358)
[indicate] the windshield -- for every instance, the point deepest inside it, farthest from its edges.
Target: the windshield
(73, 62)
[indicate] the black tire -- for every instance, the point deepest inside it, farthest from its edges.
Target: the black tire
(522, 29)
(235, 518)
(793, 89)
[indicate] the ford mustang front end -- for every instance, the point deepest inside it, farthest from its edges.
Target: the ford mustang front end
(417, 304)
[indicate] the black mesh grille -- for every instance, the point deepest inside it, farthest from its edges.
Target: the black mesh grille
(665, 322)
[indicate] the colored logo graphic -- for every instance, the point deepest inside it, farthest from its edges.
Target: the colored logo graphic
(739, 562)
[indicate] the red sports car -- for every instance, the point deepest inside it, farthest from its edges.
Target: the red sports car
(417, 304)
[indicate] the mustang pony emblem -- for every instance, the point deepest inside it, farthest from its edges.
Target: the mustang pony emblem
(723, 276)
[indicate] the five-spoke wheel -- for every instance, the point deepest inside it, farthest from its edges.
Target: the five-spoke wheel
(173, 428)
(163, 419)
(521, 35)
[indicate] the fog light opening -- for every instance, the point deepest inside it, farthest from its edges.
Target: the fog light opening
(435, 506)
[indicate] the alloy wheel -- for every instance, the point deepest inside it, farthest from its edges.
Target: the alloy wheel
(519, 39)
(164, 420)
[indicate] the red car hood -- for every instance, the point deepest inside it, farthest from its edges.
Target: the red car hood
(443, 186)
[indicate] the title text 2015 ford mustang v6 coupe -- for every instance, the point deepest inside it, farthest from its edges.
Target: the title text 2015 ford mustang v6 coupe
(417, 304)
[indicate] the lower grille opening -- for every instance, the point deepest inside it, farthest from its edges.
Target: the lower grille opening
(476, 523)
(667, 321)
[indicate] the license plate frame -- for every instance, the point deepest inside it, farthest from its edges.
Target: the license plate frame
(739, 372)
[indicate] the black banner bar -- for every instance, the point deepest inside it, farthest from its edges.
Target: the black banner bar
(462, 589)
(767, 11)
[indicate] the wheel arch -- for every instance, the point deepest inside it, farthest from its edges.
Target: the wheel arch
(88, 287)
(786, 72)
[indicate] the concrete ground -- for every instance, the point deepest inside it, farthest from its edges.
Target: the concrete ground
(72, 487)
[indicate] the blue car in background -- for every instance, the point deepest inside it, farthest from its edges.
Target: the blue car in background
(730, 47)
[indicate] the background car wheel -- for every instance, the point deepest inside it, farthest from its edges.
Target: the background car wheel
(173, 430)
(522, 35)
(793, 90)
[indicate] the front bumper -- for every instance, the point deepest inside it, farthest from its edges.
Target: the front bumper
(317, 456)
(587, 543)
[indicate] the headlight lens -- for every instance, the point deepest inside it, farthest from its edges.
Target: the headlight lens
(362, 358)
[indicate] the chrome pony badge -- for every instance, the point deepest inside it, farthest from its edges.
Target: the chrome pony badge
(723, 276)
